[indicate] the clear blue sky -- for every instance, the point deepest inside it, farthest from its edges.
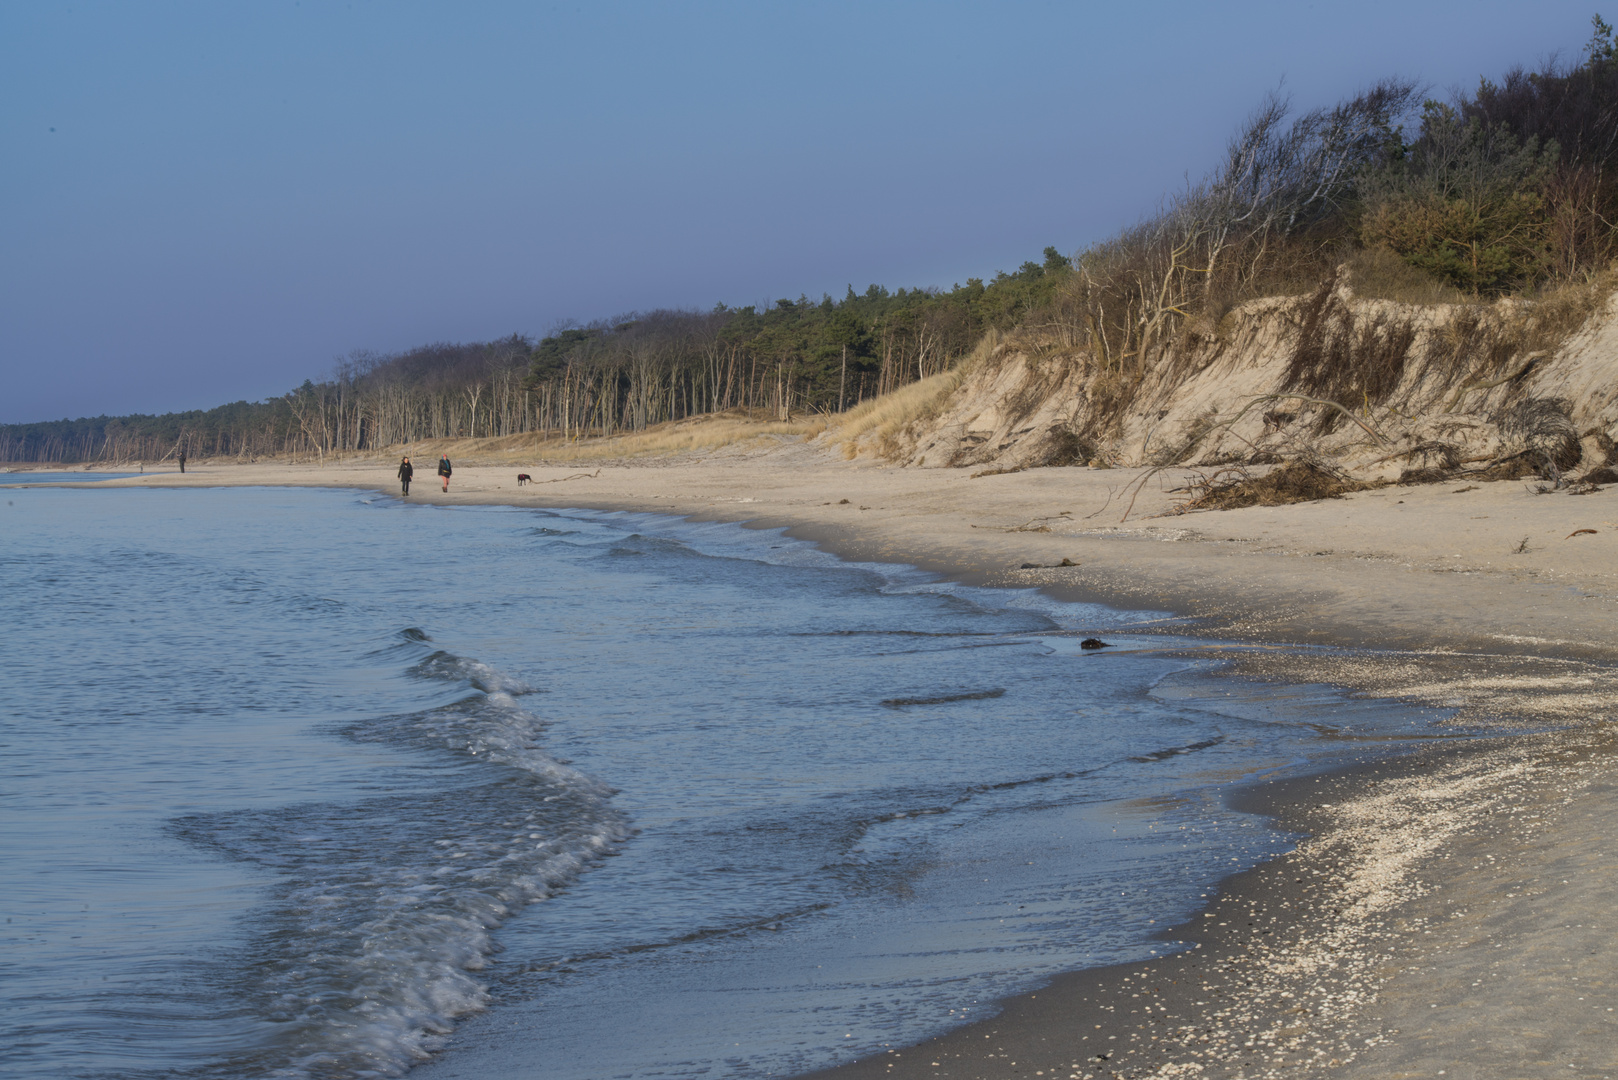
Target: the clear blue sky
(202, 202)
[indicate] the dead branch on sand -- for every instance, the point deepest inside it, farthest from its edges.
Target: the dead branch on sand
(562, 479)
(1139, 482)
(1034, 524)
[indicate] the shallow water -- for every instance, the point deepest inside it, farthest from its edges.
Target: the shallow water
(61, 476)
(286, 774)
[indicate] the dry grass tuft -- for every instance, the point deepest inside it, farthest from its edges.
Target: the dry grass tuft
(708, 432)
(1378, 273)
(1345, 358)
(690, 435)
(1557, 313)
(883, 419)
(1481, 343)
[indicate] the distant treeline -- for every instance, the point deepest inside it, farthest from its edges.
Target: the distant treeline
(626, 373)
(1510, 189)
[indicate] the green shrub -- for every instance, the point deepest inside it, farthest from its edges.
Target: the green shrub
(1465, 203)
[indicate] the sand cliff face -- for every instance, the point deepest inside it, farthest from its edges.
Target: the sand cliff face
(1378, 388)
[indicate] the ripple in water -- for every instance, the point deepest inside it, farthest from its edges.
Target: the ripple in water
(252, 833)
(366, 953)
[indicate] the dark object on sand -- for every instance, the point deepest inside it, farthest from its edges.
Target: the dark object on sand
(1094, 643)
(1031, 566)
(1067, 562)
(523, 478)
(1579, 532)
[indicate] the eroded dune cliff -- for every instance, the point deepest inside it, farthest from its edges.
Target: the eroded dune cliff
(1372, 388)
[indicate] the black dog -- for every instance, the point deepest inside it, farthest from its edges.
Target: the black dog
(523, 478)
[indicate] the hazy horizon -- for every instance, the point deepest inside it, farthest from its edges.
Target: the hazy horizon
(207, 204)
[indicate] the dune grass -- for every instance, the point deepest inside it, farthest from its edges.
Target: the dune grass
(877, 422)
(707, 432)
(690, 435)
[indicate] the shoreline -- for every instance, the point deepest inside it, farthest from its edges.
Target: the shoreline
(1287, 970)
(1492, 567)
(1421, 606)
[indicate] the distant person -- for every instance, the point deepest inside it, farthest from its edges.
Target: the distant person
(406, 471)
(444, 469)
(182, 461)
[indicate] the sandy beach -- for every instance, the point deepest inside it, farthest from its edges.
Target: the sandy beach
(1450, 913)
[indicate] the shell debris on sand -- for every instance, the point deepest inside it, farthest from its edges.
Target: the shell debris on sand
(1304, 1001)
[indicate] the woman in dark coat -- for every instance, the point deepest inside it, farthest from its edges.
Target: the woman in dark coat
(406, 471)
(444, 470)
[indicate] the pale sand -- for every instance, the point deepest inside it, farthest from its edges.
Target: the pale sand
(1467, 919)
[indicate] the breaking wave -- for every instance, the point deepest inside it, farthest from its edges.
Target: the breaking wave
(369, 948)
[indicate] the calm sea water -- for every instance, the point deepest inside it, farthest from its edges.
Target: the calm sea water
(286, 775)
(62, 476)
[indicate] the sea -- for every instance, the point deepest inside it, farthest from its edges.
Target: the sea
(315, 783)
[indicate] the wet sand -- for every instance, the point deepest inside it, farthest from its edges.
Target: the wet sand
(1450, 913)
(1388, 945)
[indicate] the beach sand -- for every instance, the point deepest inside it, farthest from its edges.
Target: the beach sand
(1451, 913)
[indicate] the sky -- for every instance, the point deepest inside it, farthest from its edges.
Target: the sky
(205, 202)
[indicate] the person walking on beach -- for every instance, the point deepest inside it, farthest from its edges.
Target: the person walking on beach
(444, 469)
(406, 471)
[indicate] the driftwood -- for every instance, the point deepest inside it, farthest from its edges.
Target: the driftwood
(575, 476)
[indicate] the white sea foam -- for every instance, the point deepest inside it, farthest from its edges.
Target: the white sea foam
(390, 908)
(452, 668)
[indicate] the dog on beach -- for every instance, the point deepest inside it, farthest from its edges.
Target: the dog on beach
(523, 478)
